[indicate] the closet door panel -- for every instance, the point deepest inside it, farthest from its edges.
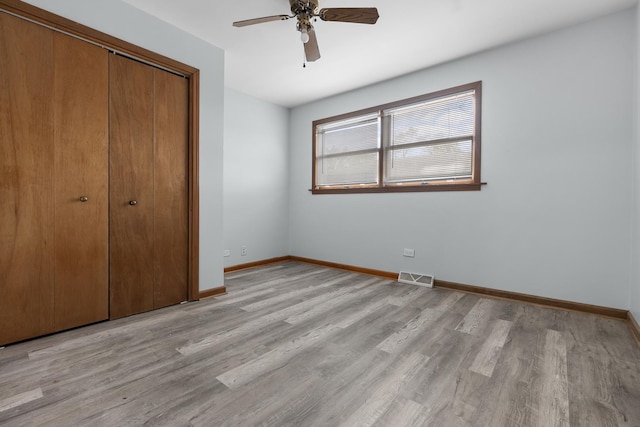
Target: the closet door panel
(26, 180)
(131, 187)
(81, 170)
(171, 225)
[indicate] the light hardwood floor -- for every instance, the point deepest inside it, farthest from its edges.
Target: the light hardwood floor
(294, 344)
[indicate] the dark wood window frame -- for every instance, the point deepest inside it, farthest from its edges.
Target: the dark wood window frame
(471, 184)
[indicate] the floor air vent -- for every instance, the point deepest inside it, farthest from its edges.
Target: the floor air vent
(416, 279)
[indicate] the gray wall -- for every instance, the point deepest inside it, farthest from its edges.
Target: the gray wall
(121, 20)
(554, 219)
(255, 179)
(635, 277)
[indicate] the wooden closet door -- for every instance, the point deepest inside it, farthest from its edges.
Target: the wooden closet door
(81, 182)
(171, 220)
(26, 180)
(131, 193)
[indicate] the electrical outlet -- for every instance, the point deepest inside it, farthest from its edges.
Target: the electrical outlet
(243, 251)
(226, 253)
(411, 253)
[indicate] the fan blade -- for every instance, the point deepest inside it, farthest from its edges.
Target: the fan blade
(358, 15)
(261, 20)
(311, 49)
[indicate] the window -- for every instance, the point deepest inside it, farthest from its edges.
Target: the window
(427, 143)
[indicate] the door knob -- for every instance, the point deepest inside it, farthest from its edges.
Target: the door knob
(84, 198)
(133, 202)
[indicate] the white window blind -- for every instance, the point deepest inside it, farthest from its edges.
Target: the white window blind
(431, 140)
(347, 151)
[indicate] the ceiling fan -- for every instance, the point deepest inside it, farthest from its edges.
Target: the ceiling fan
(306, 11)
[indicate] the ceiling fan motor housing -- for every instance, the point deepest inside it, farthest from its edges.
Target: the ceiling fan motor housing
(304, 9)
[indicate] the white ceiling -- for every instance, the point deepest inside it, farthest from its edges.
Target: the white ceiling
(265, 60)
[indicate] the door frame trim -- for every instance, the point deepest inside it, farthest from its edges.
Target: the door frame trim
(64, 25)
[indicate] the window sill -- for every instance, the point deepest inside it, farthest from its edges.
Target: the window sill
(400, 189)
